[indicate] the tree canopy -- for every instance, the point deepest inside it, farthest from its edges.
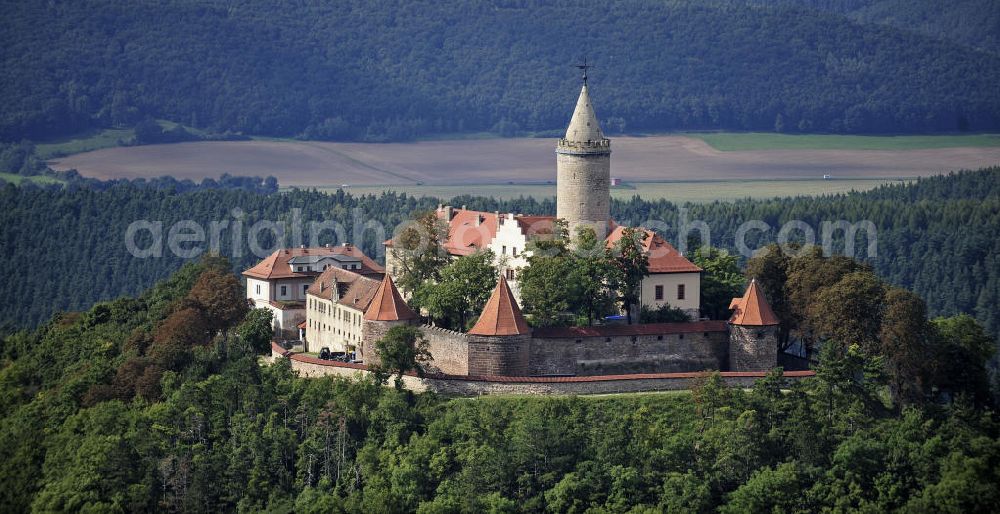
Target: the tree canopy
(398, 70)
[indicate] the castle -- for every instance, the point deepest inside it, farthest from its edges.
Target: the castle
(340, 299)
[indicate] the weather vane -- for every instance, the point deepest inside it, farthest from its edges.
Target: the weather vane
(584, 67)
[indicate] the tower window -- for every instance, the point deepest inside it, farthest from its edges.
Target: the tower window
(659, 292)
(284, 290)
(680, 291)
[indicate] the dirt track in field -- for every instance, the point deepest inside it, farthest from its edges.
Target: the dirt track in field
(499, 161)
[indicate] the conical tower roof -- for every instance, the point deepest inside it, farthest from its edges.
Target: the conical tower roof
(501, 316)
(388, 304)
(584, 125)
(752, 309)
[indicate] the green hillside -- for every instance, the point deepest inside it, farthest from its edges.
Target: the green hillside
(396, 70)
(160, 403)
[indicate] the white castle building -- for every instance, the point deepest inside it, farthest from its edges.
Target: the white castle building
(583, 199)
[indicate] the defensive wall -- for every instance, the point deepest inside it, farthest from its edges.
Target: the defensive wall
(581, 351)
(471, 385)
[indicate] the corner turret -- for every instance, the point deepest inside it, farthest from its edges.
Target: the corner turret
(386, 310)
(753, 327)
(499, 343)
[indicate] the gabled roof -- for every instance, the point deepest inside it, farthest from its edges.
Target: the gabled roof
(584, 125)
(501, 316)
(345, 287)
(470, 231)
(752, 309)
(277, 265)
(388, 304)
(662, 256)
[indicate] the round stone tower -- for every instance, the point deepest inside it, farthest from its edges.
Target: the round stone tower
(583, 171)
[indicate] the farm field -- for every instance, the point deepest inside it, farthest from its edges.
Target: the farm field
(745, 141)
(510, 167)
(677, 192)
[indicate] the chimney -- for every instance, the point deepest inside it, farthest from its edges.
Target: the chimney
(448, 213)
(463, 207)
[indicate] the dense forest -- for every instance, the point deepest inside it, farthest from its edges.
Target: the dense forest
(159, 403)
(938, 237)
(395, 70)
(975, 23)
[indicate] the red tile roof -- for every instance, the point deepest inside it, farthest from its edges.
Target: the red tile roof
(630, 330)
(353, 290)
(501, 316)
(276, 265)
(388, 304)
(752, 309)
(663, 257)
(470, 231)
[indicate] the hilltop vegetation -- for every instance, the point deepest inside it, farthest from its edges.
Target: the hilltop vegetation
(125, 408)
(396, 69)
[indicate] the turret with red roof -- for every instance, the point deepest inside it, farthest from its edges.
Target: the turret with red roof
(753, 339)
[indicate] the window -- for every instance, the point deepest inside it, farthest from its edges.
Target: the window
(304, 287)
(258, 288)
(504, 250)
(284, 290)
(510, 274)
(513, 251)
(680, 291)
(659, 292)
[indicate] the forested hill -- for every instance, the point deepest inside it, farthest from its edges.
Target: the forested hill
(64, 249)
(398, 69)
(974, 23)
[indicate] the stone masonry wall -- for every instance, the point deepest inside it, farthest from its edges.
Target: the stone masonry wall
(372, 331)
(752, 348)
(667, 353)
(499, 355)
(449, 350)
(467, 386)
(583, 195)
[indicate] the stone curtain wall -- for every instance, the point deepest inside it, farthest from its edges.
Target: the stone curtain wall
(666, 353)
(476, 386)
(752, 348)
(449, 349)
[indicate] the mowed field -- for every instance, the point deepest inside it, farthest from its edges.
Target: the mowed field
(780, 163)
